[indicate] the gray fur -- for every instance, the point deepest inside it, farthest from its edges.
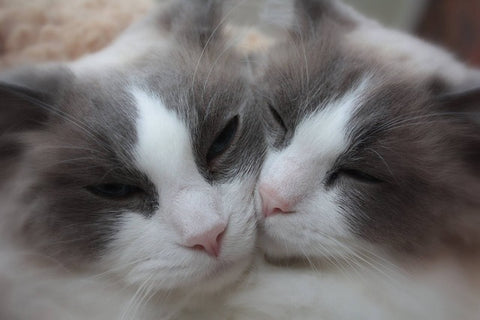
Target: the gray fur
(61, 132)
(410, 132)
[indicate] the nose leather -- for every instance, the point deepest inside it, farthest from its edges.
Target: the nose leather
(273, 202)
(208, 241)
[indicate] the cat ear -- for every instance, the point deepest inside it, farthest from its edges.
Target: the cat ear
(461, 105)
(463, 100)
(198, 22)
(309, 15)
(26, 98)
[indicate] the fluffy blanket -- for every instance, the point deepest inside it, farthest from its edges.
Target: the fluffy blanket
(59, 30)
(63, 30)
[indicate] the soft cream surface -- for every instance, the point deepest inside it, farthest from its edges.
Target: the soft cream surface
(56, 30)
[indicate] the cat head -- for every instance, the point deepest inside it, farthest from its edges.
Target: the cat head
(362, 151)
(145, 164)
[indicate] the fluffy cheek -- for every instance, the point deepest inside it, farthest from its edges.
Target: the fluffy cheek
(148, 250)
(317, 229)
(238, 202)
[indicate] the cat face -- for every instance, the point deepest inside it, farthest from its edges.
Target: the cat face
(147, 167)
(361, 152)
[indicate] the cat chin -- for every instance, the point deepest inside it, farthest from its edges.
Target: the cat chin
(176, 267)
(222, 277)
(278, 241)
(209, 278)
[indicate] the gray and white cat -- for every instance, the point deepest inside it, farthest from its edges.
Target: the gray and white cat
(369, 191)
(374, 164)
(127, 177)
(363, 149)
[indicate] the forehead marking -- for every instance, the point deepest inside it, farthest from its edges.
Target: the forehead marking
(326, 131)
(164, 147)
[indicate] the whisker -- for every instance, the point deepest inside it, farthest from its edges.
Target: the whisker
(129, 307)
(207, 43)
(84, 127)
(384, 162)
(230, 44)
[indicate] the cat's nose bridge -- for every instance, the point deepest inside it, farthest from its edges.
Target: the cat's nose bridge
(198, 220)
(276, 202)
(283, 185)
(207, 240)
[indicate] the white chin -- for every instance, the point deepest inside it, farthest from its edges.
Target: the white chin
(225, 276)
(274, 247)
(284, 248)
(213, 279)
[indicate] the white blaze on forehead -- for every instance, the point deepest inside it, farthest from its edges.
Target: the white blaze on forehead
(164, 152)
(296, 174)
(324, 133)
(318, 141)
(164, 149)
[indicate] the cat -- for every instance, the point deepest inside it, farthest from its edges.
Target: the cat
(374, 162)
(323, 263)
(363, 149)
(50, 275)
(127, 177)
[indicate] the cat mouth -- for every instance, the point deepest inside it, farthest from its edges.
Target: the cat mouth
(229, 272)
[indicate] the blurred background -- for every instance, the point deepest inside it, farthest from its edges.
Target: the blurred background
(46, 30)
(454, 24)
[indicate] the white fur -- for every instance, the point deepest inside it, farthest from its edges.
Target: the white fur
(279, 293)
(404, 53)
(298, 173)
(188, 206)
(165, 153)
(146, 273)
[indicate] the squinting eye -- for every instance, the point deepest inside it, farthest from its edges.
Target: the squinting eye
(353, 174)
(277, 118)
(223, 141)
(360, 176)
(113, 190)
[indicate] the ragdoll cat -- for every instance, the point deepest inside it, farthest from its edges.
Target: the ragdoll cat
(365, 147)
(374, 159)
(127, 177)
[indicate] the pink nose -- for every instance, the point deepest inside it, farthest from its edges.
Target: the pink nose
(208, 241)
(274, 203)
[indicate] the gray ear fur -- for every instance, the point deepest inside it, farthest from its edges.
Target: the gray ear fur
(27, 95)
(310, 14)
(198, 22)
(463, 100)
(461, 105)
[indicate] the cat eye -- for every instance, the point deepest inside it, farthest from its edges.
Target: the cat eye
(113, 190)
(277, 117)
(353, 174)
(223, 141)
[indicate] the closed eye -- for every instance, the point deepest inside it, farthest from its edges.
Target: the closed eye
(360, 176)
(224, 140)
(277, 118)
(352, 174)
(114, 191)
